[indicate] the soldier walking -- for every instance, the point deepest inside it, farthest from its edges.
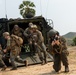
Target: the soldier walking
(14, 46)
(38, 41)
(58, 48)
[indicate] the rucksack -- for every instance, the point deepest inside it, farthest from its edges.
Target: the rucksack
(21, 40)
(18, 38)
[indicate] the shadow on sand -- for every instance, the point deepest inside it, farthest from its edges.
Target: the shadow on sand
(54, 73)
(50, 73)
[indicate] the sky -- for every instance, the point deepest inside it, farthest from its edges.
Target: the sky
(62, 12)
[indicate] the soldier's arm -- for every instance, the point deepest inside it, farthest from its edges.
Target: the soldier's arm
(41, 39)
(8, 42)
(8, 47)
(63, 42)
(26, 32)
(17, 42)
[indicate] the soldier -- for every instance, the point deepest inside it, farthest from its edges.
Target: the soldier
(18, 31)
(28, 34)
(1, 59)
(27, 31)
(39, 43)
(58, 48)
(13, 45)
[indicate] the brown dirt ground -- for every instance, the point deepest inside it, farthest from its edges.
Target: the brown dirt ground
(45, 69)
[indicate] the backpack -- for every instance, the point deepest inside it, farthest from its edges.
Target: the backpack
(21, 40)
(18, 38)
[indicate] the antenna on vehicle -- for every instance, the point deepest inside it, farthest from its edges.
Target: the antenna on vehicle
(40, 7)
(47, 8)
(5, 10)
(49, 21)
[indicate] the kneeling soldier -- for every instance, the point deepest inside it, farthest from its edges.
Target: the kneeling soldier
(57, 46)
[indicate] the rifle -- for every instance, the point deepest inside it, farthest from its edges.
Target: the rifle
(57, 49)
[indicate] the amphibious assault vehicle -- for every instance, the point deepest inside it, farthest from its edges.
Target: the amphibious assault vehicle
(7, 25)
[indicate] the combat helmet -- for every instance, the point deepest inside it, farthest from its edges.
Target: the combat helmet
(52, 32)
(34, 26)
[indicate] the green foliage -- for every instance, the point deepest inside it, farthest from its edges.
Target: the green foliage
(27, 7)
(74, 40)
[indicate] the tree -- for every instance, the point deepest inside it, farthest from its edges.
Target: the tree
(74, 40)
(27, 9)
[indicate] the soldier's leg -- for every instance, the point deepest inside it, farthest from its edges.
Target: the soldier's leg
(65, 61)
(2, 63)
(57, 62)
(31, 48)
(12, 59)
(34, 51)
(20, 60)
(39, 54)
(44, 51)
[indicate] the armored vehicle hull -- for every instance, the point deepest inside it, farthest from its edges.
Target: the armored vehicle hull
(7, 25)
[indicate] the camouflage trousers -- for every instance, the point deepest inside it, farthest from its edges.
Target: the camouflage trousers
(58, 58)
(15, 57)
(1, 61)
(41, 49)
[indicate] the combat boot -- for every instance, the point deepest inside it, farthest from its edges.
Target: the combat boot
(14, 68)
(43, 62)
(66, 69)
(26, 63)
(4, 68)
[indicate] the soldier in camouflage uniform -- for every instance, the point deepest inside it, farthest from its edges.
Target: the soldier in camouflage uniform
(28, 35)
(1, 59)
(13, 45)
(38, 40)
(18, 31)
(58, 48)
(27, 31)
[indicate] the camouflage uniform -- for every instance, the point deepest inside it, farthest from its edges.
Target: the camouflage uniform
(27, 31)
(18, 32)
(28, 35)
(39, 44)
(1, 60)
(59, 53)
(13, 45)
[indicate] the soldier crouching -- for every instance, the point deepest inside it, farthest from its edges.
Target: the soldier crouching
(57, 46)
(14, 45)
